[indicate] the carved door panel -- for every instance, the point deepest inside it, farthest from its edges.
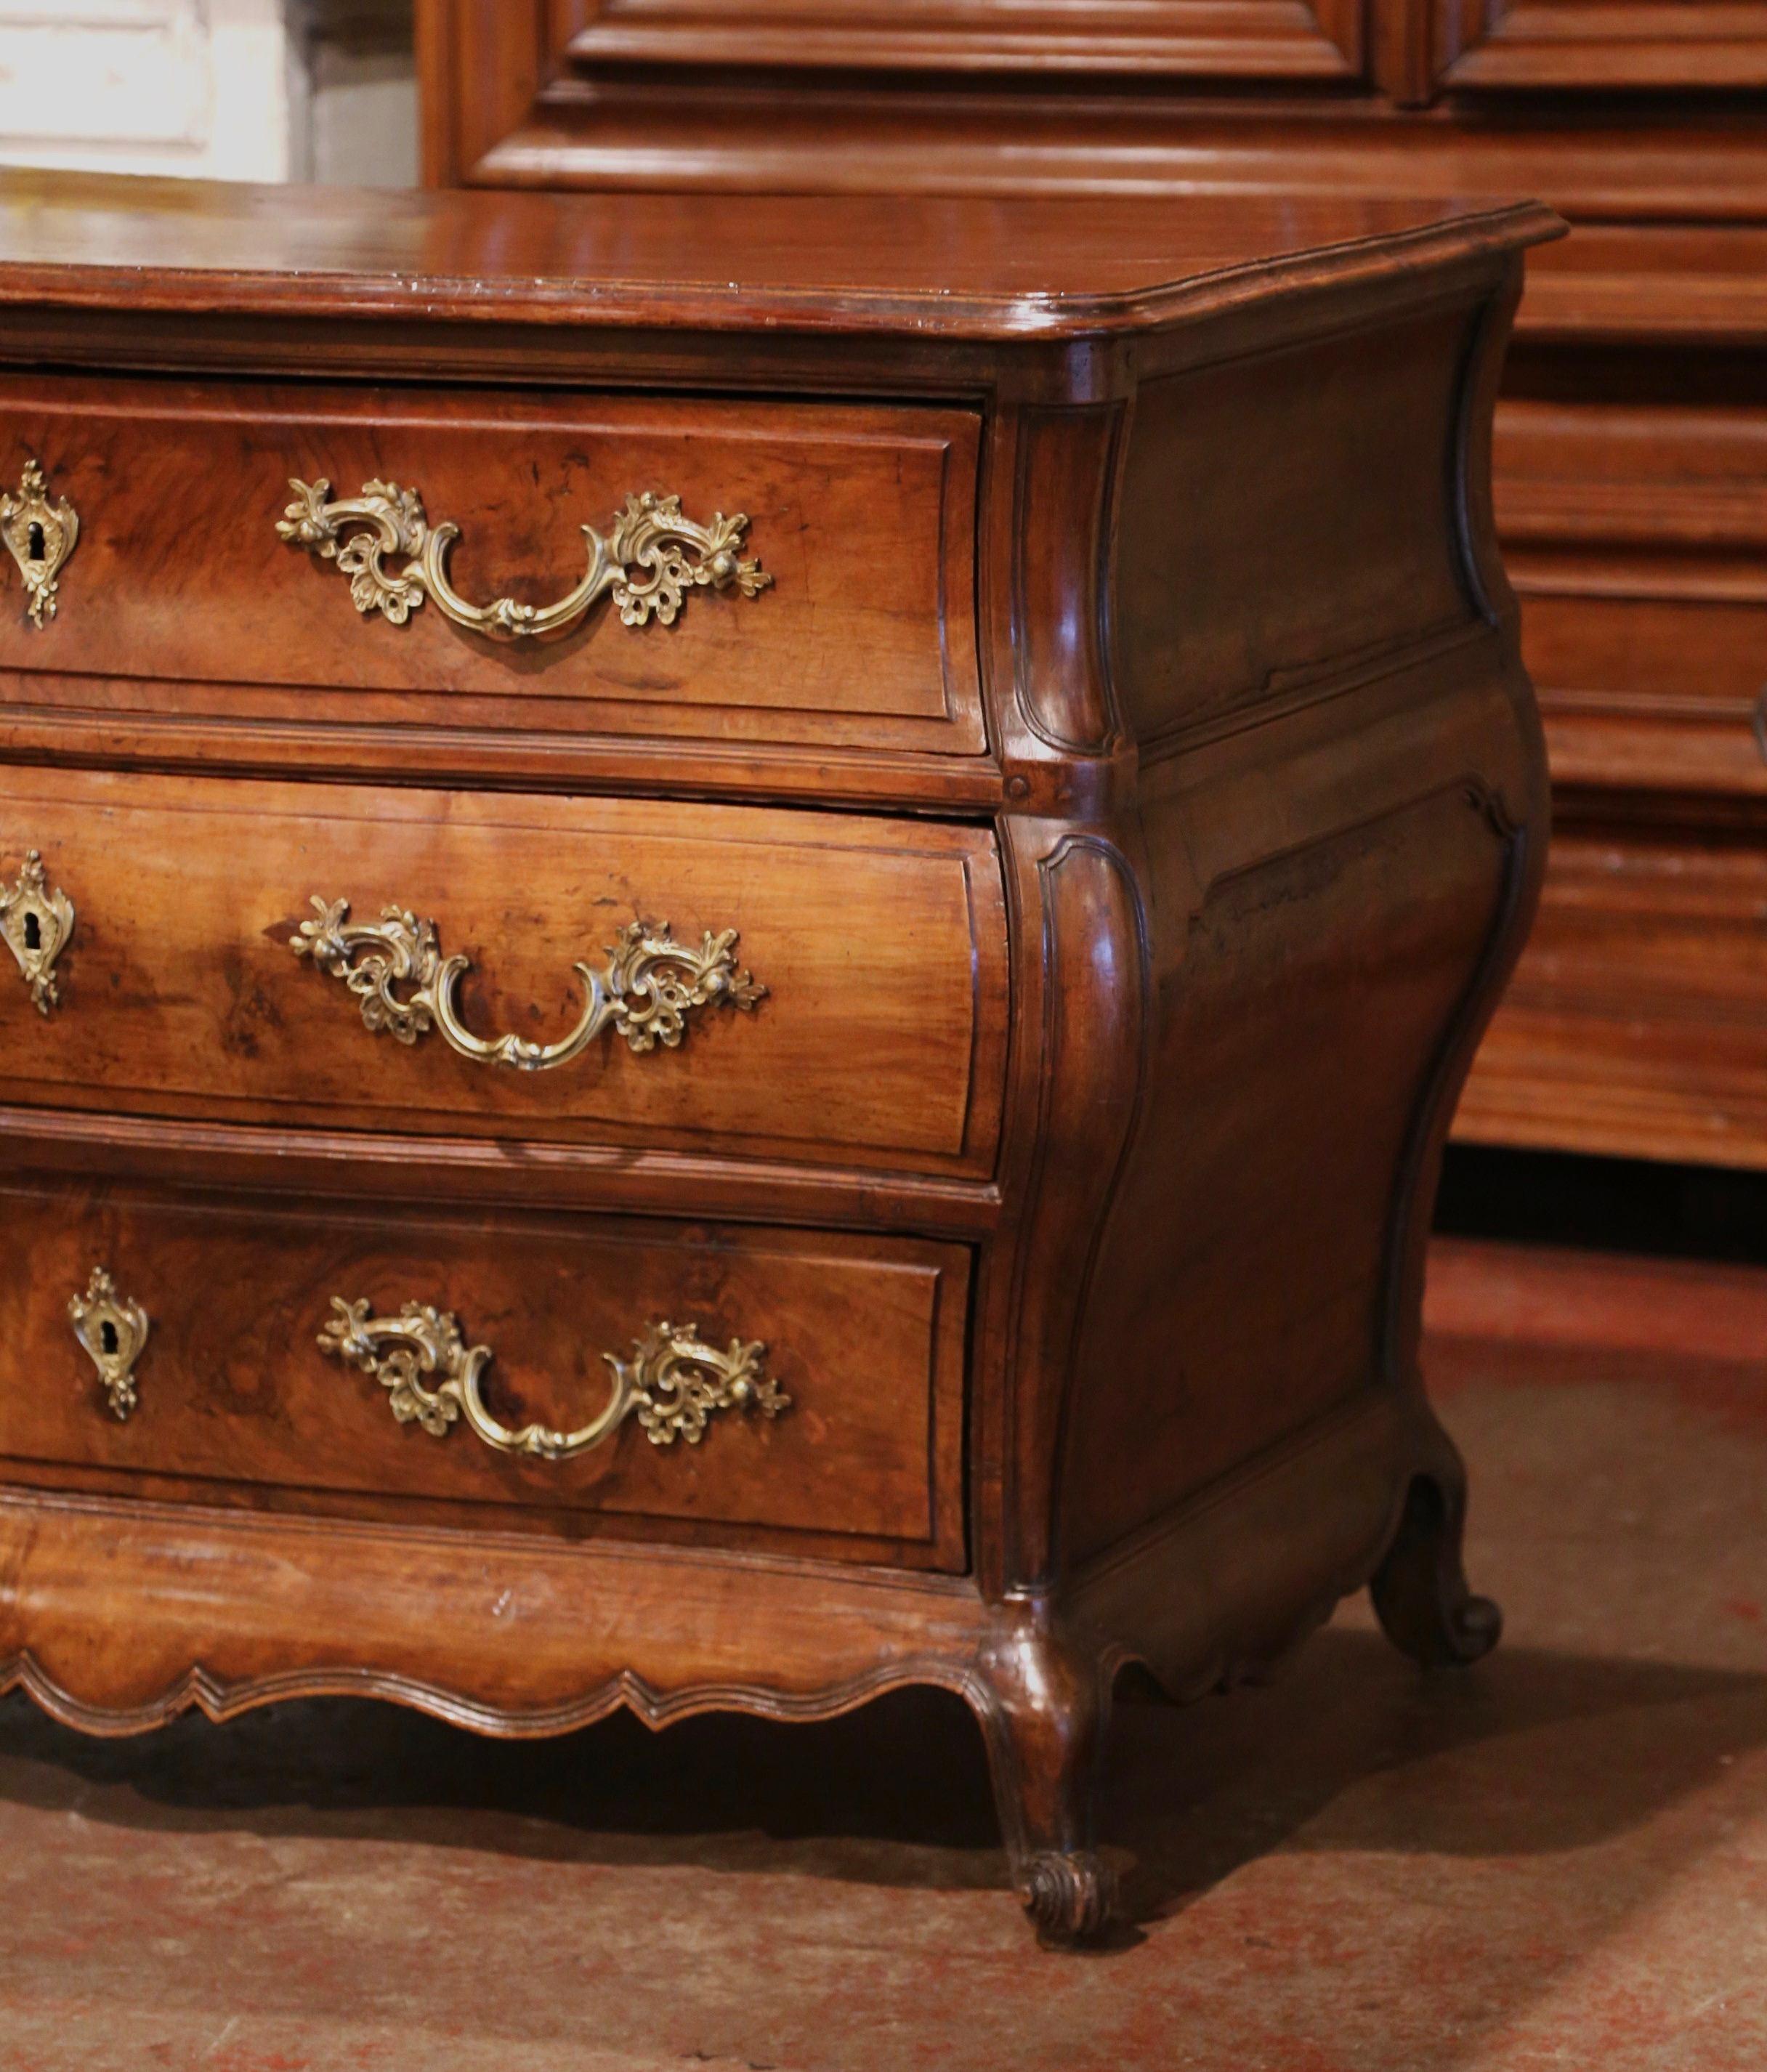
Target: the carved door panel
(1249, 39)
(1557, 46)
(578, 92)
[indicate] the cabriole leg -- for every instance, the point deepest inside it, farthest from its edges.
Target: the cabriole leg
(1043, 1702)
(1420, 1589)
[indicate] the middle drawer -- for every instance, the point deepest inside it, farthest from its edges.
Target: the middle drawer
(649, 973)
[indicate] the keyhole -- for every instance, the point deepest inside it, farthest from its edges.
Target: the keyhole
(34, 542)
(33, 932)
(107, 1336)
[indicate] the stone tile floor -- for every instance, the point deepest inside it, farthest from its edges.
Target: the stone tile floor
(1557, 1860)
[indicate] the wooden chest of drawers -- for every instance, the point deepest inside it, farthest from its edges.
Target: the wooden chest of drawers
(742, 938)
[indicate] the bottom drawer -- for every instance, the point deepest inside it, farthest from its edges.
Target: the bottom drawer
(809, 1394)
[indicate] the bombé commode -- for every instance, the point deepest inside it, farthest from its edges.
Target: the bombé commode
(737, 981)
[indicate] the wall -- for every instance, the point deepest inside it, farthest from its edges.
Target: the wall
(228, 89)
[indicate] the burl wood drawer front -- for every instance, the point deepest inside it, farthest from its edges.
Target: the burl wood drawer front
(179, 596)
(848, 1425)
(857, 1015)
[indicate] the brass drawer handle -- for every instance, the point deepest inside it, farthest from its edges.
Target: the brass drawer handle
(113, 1331)
(649, 560)
(673, 1382)
(40, 536)
(36, 920)
(645, 991)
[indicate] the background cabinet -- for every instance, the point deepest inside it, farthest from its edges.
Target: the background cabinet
(1589, 46)
(1631, 452)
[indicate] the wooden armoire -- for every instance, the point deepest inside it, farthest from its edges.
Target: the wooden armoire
(1632, 443)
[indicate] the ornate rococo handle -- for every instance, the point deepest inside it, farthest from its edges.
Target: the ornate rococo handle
(672, 1383)
(645, 991)
(651, 559)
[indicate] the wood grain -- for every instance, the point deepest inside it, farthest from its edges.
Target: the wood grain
(1548, 46)
(863, 518)
(1636, 1016)
(1042, 272)
(505, 1635)
(1076, 1165)
(1637, 533)
(1249, 962)
(879, 1042)
(1346, 582)
(864, 1335)
(1257, 38)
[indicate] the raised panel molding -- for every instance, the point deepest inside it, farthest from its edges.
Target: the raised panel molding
(1253, 38)
(1559, 45)
(1633, 1027)
(1636, 536)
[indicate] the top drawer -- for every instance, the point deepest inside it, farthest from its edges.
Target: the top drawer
(180, 597)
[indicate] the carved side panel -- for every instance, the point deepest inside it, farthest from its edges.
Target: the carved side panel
(1295, 523)
(1321, 968)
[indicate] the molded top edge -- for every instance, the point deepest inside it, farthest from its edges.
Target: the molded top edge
(1003, 272)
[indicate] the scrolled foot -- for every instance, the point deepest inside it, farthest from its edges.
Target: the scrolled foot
(1043, 1692)
(1419, 1590)
(1070, 1897)
(1474, 1627)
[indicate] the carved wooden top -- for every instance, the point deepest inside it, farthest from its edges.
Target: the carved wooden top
(1007, 270)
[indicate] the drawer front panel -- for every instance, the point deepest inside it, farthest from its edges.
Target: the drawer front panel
(179, 596)
(860, 1357)
(879, 1040)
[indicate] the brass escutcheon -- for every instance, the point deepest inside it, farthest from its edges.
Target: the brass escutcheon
(114, 1331)
(41, 536)
(36, 918)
